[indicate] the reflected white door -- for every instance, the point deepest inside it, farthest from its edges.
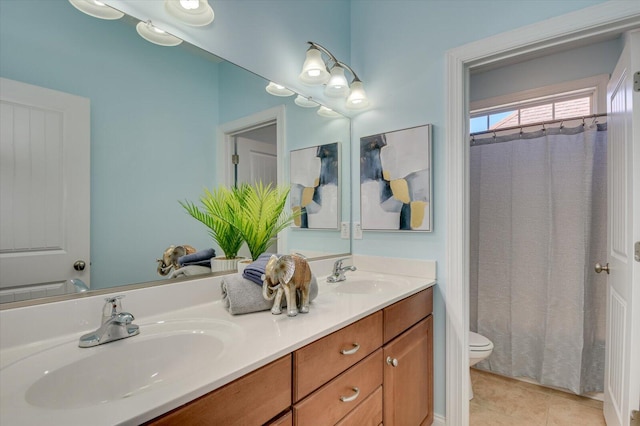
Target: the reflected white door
(44, 185)
(622, 361)
(257, 161)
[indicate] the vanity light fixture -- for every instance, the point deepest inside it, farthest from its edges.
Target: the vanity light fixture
(97, 9)
(278, 90)
(303, 102)
(196, 13)
(155, 35)
(331, 73)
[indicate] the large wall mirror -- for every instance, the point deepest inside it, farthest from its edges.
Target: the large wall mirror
(156, 115)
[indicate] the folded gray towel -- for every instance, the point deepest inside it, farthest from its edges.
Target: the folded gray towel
(200, 258)
(241, 296)
(255, 270)
(190, 271)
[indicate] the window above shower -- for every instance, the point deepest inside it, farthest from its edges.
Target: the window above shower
(577, 98)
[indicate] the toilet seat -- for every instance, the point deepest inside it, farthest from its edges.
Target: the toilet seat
(479, 343)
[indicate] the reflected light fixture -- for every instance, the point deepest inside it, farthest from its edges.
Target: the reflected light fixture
(196, 13)
(155, 35)
(331, 73)
(278, 90)
(327, 112)
(97, 9)
(303, 102)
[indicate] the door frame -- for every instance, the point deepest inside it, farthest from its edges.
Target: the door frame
(574, 29)
(224, 148)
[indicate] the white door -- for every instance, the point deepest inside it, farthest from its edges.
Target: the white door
(44, 185)
(257, 161)
(622, 361)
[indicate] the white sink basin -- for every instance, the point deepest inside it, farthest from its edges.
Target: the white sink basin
(165, 353)
(368, 283)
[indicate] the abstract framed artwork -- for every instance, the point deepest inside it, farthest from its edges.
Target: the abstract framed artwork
(395, 180)
(315, 186)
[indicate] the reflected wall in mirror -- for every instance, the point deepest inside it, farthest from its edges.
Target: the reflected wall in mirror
(155, 115)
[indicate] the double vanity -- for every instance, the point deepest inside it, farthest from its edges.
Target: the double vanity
(363, 352)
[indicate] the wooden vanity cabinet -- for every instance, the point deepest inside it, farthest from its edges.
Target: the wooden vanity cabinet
(387, 356)
(408, 377)
(408, 361)
(253, 399)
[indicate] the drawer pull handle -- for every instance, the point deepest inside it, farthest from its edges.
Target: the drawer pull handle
(350, 351)
(352, 397)
(392, 361)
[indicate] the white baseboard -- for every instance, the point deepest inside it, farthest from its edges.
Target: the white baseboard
(438, 420)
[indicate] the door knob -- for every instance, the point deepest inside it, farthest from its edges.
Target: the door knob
(79, 265)
(392, 361)
(599, 268)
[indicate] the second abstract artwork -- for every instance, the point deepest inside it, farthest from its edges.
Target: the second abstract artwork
(395, 180)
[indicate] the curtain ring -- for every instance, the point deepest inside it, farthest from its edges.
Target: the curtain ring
(583, 123)
(544, 129)
(494, 135)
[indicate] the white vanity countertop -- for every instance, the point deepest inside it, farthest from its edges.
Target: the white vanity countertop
(259, 339)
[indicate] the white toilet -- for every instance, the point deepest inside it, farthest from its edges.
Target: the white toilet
(479, 348)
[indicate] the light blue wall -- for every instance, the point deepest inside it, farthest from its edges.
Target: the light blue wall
(574, 64)
(398, 49)
(147, 102)
(243, 94)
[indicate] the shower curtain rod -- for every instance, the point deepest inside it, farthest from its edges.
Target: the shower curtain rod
(539, 123)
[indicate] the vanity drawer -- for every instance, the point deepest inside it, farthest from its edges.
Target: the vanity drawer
(324, 407)
(368, 413)
(320, 361)
(251, 400)
(407, 312)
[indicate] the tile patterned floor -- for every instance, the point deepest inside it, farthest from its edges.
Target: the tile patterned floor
(501, 401)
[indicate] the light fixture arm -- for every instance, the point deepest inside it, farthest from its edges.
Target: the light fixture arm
(333, 59)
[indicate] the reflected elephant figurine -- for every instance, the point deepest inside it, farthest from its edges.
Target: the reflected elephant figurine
(289, 275)
(170, 258)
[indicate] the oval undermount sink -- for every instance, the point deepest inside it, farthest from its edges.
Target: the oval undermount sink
(68, 377)
(368, 283)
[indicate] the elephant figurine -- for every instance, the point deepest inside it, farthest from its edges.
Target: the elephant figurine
(170, 258)
(289, 275)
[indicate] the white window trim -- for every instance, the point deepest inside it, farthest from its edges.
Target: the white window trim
(595, 86)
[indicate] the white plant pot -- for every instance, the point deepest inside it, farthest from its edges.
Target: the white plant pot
(243, 264)
(220, 264)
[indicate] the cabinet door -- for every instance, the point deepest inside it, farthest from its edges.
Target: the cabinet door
(408, 377)
(251, 400)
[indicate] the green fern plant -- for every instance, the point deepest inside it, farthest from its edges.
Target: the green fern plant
(219, 208)
(262, 215)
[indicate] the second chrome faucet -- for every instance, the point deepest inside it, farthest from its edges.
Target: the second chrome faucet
(116, 325)
(338, 271)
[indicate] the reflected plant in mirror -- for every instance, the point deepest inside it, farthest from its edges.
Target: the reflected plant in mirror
(144, 149)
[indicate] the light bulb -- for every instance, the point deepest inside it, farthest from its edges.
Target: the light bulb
(337, 86)
(190, 4)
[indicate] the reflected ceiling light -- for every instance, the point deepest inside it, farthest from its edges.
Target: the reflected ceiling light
(278, 90)
(97, 9)
(331, 72)
(327, 112)
(303, 102)
(155, 35)
(196, 13)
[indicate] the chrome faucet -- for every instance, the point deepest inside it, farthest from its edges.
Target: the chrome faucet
(116, 325)
(338, 271)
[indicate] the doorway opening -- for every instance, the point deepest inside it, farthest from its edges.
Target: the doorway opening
(578, 28)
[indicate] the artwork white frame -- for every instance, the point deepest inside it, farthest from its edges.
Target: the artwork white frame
(315, 172)
(396, 175)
